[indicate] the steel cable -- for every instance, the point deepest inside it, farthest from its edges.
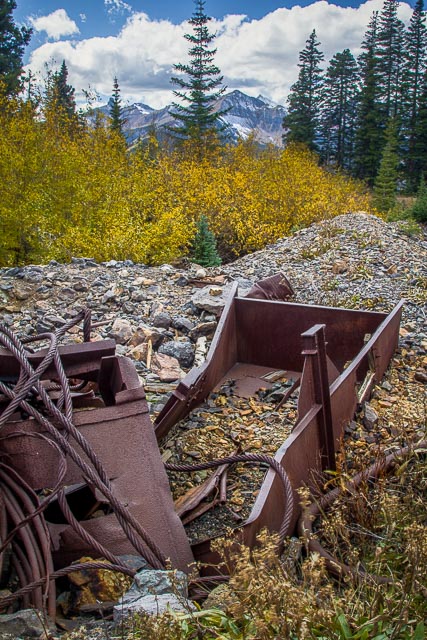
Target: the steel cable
(255, 458)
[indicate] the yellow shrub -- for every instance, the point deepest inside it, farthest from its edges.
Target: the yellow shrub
(85, 194)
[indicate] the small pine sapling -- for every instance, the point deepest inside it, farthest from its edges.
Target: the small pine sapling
(204, 251)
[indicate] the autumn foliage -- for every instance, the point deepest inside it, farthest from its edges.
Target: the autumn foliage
(77, 191)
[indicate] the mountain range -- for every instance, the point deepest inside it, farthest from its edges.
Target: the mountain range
(245, 115)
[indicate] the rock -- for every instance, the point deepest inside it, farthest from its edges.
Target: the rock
(420, 376)
(162, 320)
(182, 351)
(201, 351)
(340, 266)
(121, 331)
(370, 417)
(153, 592)
(211, 299)
(166, 367)
(182, 324)
(139, 352)
(156, 582)
(203, 329)
(201, 273)
(27, 623)
(146, 334)
(153, 606)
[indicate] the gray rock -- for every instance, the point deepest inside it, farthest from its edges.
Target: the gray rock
(27, 623)
(203, 329)
(153, 592)
(121, 331)
(161, 319)
(182, 324)
(182, 351)
(156, 582)
(370, 417)
(153, 606)
(212, 298)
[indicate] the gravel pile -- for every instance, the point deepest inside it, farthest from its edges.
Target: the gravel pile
(160, 319)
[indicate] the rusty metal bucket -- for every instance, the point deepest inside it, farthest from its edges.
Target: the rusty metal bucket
(337, 354)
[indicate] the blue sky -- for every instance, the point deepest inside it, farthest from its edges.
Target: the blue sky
(139, 40)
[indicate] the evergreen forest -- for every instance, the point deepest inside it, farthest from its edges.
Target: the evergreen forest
(355, 139)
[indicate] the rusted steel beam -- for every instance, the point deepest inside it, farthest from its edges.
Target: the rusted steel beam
(79, 360)
(314, 350)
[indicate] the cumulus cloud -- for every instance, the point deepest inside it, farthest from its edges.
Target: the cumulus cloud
(57, 24)
(83, 17)
(255, 56)
(117, 7)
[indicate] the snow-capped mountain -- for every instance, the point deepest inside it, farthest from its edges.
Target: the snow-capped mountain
(245, 115)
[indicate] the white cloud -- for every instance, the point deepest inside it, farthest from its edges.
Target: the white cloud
(56, 24)
(83, 17)
(255, 56)
(117, 6)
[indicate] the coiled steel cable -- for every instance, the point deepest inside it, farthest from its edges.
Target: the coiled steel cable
(29, 382)
(254, 458)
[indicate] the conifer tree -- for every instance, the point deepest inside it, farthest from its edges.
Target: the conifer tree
(302, 120)
(369, 138)
(13, 40)
(116, 112)
(419, 152)
(390, 53)
(204, 251)
(200, 87)
(339, 103)
(414, 67)
(385, 185)
(60, 103)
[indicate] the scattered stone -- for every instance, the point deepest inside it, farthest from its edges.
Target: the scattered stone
(370, 417)
(203, 329)
(121, 331)
(166, 367)
(162, 319)
(146, 334)
(182, 351)
(154, 592)
(211, 299)
(420, 376)
(27, 623)
(183, 325)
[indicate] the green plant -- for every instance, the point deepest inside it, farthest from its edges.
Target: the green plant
(204, 246)
(419, 208)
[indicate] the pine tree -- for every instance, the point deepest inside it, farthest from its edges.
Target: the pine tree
(302, 120)
(339, 103)
(369, 138)
(13, 40)
(414, 67)
(116, 112)
(199, 89)
(204, 251)
(60, 103)
(390, 53)
(419, 152)
(385, 185)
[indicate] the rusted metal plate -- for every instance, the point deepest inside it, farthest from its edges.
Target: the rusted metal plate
(123, 438)
(275, 287)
